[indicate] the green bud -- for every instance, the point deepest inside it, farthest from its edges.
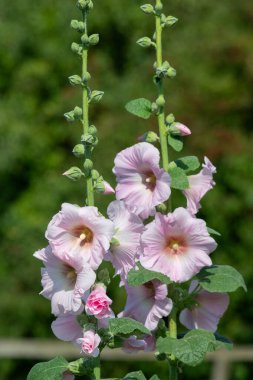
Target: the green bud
(95, 174)
(170, 20)
(114, 242)
(81, 27)
(87, 139)
(161, 208)
(86, 77)
(94, 39)
(145, 42)
(78, 112)
(74, 24)
(75, 80)
(74, 173)
(77, 367)
(76, 48)
(160, 101)
(78, 150)
(171, 72)
(150, 137)
(69, 116)
(99, 186)
(85, 39)
(170, 118)
(92, 130)
(154, 107)
(96, 96)
(158, 8)
(88, 165)
(84, 4)
(147, 8)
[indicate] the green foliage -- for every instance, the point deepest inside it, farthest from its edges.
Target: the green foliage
(221, 278)
(51, 370)
(176, 142)
(142, 275)
(138, 375)
(179, 179)
(126, 327)
(188, 164)
(139, 107)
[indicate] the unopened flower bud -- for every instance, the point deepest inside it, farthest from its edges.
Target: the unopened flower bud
(150, 137)
(160, 101)
(75, 80)
(171, 72)
(78, 150)
(74, 173)
(94, 174)
(69, 116)
(85, 39)
(88, 165)
(94, 39)
(170, 20)
(108, 188)
(161, 208)
(77, 367)
(84, 4)
(92, 130)
(76, 48)
(86, 76)
(74, 24)
(154, 107)
(87, 139)
(145, 42)
(159, 7)
(96, 96)
(81, 27)
(99, 186)
(78, 112)
(147, 8)
(170, 118)
(184, 131)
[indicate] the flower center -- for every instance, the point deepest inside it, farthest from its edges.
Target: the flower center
(150, 180)
(175, 246)
(150, 289)
(84, 234)
(70, 275)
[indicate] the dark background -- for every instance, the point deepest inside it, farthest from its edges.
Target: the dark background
(212, 49)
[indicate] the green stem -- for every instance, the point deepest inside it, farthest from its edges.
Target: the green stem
(97, 371)
(89, 184)
(173, 372)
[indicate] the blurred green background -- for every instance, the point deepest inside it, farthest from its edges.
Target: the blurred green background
(212, 49)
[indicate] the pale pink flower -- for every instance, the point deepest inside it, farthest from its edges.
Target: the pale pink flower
(199, 185)
(207, 312)
(177, 245)
(141, 182)
(98, 303)
(184, 131)
(65, 280)
(147, 303)
(89, 343)
(132, 344)
(108, 188)
(68, 376)
(125, 246)
(67, 328)
(80, 231)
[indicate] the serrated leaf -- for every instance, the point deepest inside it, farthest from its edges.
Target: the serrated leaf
(188, 163)
(211, 231)
(191, 349)
(223, 342)
(137, 375)
(220, 278)
(126, 327)
(141, 276)
(176, 142)
(140, 107)
(179, 179)
(51, 370)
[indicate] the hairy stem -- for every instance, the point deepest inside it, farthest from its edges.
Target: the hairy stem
(89, 185)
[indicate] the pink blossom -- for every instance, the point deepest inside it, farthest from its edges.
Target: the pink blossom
(68, 376)
(125, 246)
(184, 131)
(80, 231)
(147, 303)
(65, 280)
(108, 189)
(89, 343)
(98, 303)
(67, 328)
(177, 245)
(132, 345)
(199, 185)
(141, 182)
(209, 308)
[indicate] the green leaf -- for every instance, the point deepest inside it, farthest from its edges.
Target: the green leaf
(176, 142)
(220, 278)
(188, 163)
(154, 377)
(140, 107)
(191, 349)
(179, 179)
(141, 276)
(213, 232)
(127, 327)
(138, 375)
(223, 342)
(51, 370)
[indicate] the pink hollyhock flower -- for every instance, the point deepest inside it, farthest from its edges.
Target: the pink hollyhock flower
(147, 303)
(89, 343)
(132, 345)
(209, 308)
(65, 280)
(108, 189)
(80, 231)
(177, 245)
(184, 131)
(125, 244)
(67, 328)
(199, 185)
(98, 303)
(141, 182)
(68, 376)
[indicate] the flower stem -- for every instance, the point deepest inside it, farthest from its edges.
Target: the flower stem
(89, 184)
(173, 372)
(97, 371)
